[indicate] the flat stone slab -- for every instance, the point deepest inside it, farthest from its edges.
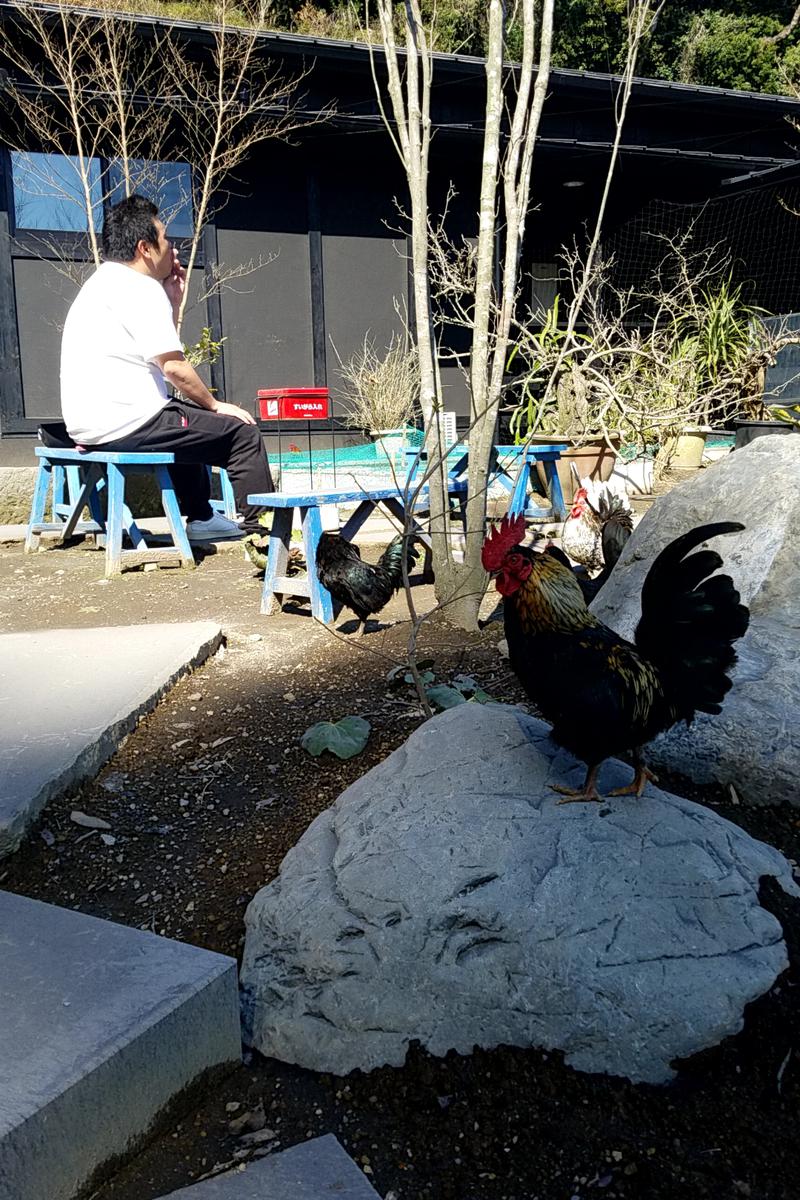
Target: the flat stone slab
(314, 1170)
(69, 696)
(101, 1027)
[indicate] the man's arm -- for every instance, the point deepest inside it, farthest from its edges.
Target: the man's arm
(182, 375)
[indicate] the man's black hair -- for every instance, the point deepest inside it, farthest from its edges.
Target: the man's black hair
(125, 225)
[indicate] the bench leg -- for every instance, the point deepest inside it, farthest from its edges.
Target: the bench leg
(354, 522)
(60, 493)
(519, 496)
(169, 503)
(277, 556)
(321, 599)
(554, 491)
(116, 503)
(94, 474)
(40, 491)
(228, 498)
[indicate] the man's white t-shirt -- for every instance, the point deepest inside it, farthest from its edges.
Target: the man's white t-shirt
(118, 323)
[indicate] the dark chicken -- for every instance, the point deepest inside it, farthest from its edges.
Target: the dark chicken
(363, 587)
(603, 695)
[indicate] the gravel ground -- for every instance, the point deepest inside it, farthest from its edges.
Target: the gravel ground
(204, 799)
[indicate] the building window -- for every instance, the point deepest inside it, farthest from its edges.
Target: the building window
(50, 192)
(168, 185)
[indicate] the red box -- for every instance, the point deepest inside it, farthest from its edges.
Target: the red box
(293, 404)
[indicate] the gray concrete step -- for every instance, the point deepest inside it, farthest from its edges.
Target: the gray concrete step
(69, 696)
(101, 1026)
(315, 1170)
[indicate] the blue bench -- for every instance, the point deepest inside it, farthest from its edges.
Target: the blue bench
(278, 584)
(77, 478)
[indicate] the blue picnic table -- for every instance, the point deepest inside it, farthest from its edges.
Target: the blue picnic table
(277, 583)
(396, 500)
(514, 474)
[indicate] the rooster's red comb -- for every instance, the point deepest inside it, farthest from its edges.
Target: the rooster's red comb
(502, 537)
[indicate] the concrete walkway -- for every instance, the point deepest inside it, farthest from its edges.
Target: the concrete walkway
(312, 1170)
(101, 1027)
(69, 696)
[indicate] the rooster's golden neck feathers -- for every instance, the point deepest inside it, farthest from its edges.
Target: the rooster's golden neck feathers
(550, 599)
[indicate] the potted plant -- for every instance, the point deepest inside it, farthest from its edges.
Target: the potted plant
(558, 400)
(763, 418)
(380, 392)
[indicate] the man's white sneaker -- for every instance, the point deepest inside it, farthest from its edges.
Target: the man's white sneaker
(216, 529)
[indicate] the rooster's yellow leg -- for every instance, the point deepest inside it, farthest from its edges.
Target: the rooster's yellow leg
(638, 783)
(587, 793)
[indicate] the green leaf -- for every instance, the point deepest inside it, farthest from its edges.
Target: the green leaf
(482, 697)
(344, 738)
(465, 683)
(425, 677)
(443, 696)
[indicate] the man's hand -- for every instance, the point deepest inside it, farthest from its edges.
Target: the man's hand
(233, 410)
(175, 283)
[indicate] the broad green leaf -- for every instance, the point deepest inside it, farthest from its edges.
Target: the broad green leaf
(426, 677)
(465, 683)
(443, 696)
(344, 738)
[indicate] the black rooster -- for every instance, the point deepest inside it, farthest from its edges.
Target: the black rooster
(604, 695)
(363, 587)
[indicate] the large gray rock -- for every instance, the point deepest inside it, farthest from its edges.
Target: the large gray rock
(447, 897)
(755, 742)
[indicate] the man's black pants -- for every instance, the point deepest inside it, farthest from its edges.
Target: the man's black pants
(198, 438)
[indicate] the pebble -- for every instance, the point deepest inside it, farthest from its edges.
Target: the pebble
(254, 637)
(87, 821)
(258, 1137)
(195, 696)
(249, 1122)
(115, 782)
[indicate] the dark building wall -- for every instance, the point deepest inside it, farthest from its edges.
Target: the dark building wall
(321, 215)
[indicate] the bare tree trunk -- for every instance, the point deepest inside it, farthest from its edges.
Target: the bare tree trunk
(411, 133)
(493, 314)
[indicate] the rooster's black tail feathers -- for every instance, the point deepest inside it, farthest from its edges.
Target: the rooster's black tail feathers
(690, 621)
(391, 561)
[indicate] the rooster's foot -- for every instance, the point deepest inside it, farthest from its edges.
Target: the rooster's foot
(578, 795)
(588, 793)
(638, 783)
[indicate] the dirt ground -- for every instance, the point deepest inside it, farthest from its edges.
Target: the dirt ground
(206, 797)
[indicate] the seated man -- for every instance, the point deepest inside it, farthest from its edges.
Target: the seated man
(119, 349)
